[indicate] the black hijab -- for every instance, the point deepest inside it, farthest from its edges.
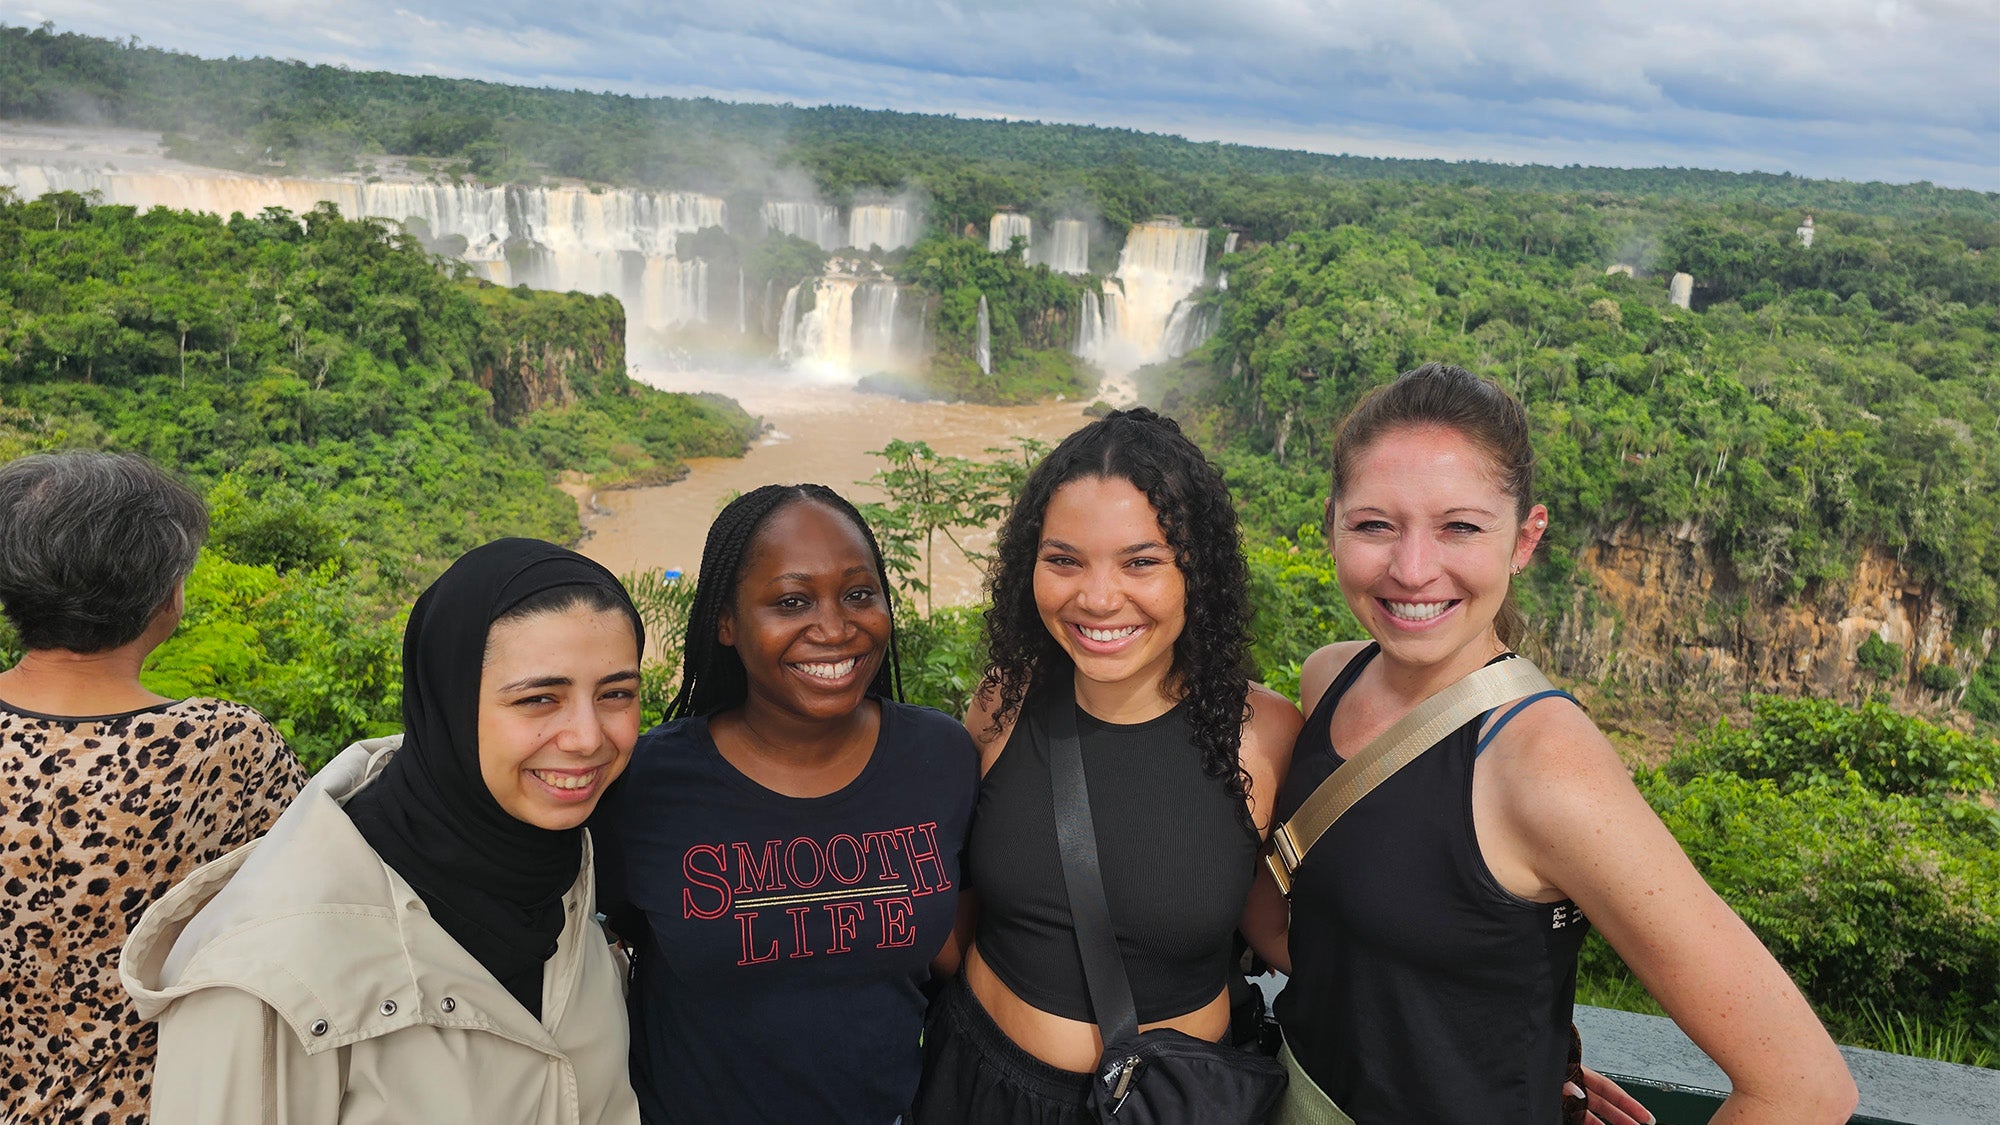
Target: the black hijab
(493, 882)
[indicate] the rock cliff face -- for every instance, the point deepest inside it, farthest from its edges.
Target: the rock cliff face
(1660, 614)
(544, 350)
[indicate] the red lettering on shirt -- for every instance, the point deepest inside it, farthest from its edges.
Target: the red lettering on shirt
(709, 876)
(859, 862)
(811, 847)
(920, 859)
(798, 916)
(845, 918)
(897, 932)
(748, 920)
(760, 874)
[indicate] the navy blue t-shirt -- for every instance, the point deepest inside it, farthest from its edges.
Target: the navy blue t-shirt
(785, 939)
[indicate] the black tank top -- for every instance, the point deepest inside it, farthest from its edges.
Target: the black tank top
(1176, 849)
(1421, 989)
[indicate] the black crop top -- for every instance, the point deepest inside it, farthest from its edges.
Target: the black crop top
(1177, 852)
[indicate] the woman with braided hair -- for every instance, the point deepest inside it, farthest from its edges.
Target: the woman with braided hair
(1119, 587)
(783, 857)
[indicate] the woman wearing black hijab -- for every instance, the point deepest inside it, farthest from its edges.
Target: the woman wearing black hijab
(415, 940)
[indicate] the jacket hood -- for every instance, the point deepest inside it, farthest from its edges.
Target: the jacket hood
(313, 923)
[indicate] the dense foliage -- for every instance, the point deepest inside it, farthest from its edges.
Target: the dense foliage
(352, 400)
(1031, 312)
(1862, 848)
(357, 417)
(239, 112)
(1814, 401)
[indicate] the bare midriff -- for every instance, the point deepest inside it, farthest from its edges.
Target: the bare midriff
(1071, 1044)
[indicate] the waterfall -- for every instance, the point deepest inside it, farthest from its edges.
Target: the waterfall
(1229, 242)
(815, 222)
(1089, 324)
(742, 305)
(826, 334)
(617, 242)
(982, 348)
(1188, 327)
(875, 317)
(786, 320)
(1161, 265)
(852, 329)
(1000, 233)
(671, 292)
(1068, 248)
(889, 226)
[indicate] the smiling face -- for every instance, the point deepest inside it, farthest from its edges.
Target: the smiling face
(1424, 540)
(1107, 586)
(558, 712)
(809, 620)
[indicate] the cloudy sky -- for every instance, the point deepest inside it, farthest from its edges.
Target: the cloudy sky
(1896, 90)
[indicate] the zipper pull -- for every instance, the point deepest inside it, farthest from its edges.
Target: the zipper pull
(1128, 1072)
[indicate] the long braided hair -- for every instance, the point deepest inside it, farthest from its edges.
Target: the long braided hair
(1192, 504)
(712, 675)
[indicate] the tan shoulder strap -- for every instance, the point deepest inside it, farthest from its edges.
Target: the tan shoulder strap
(1393, 749)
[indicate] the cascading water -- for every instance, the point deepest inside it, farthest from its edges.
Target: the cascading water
(886, 226)
(824, 341)
(1005, 227)
(1160, 268)
(616, 242)
(854, 327)
(1089, 324)
(1067, 248)
(673, 291)
(1190, 324)
(815, 222)
(982, 347)
(787, 322)
(875, 304)
(742, 305)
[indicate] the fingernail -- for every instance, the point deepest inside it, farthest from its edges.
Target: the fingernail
(1570, 1090)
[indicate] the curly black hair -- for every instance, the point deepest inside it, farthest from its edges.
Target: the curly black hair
(1195, 512)
(712, 676)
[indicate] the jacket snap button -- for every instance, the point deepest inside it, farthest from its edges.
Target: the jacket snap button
(318, 1027)
(388, 1007)
(448, 1004)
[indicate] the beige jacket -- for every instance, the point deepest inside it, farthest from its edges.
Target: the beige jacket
(299, 980)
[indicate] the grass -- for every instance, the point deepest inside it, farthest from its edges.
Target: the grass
(1962, 1040)
(1954, 1041)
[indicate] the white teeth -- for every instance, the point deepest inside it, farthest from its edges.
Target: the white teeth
(1416, 611)
(824, 671)
(1107, 635)
(567, 780)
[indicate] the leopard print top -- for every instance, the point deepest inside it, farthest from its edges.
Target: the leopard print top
(98, 818)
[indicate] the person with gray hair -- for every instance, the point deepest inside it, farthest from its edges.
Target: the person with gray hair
(109, 792)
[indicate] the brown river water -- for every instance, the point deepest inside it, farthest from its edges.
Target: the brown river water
(819, 433)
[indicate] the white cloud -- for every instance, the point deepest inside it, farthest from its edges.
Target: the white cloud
(1891, 89)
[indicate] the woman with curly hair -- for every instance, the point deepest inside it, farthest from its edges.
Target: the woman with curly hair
(1119, 582)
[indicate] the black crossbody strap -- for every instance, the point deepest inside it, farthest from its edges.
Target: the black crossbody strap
(1076, 837)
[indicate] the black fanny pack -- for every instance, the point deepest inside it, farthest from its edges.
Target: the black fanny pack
(1157, 1077)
